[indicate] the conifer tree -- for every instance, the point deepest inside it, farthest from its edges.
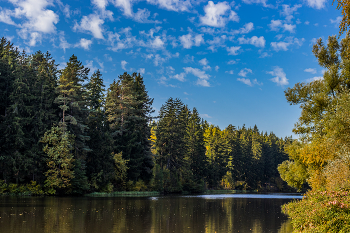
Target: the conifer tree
(72, 100)
(171, 131)
(99, 161)
(128, 109)
(195, 150)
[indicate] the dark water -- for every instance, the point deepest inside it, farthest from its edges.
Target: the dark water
(203, 213)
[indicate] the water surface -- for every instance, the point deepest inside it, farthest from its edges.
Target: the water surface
(200, 213)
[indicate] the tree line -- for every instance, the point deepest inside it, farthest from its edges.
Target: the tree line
(61, 129)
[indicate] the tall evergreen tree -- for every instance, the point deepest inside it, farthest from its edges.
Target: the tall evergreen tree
(99, 160)
(72, 100)
(195, 150)
(170, 143)
(128, 109)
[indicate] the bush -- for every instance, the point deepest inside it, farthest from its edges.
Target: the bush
(3, 187)
(320, 211)
(24, 189)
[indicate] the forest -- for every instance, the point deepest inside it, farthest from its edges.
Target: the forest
(65, 133)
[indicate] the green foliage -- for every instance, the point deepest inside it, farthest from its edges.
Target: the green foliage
(58, 146)
(120, 170)
(26, 189)
(128, 109)
(72, 100)
(293, 173)
(79, 183)
(324, 124)
(320, 211)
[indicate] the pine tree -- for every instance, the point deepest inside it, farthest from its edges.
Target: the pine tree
(171, 131)
(72, 100)
(128, 109)
(195, 150)
(99, 161)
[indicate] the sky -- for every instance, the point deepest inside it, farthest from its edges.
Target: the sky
(231, 60)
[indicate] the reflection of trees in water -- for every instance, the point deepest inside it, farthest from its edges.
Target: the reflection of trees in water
(165, 214)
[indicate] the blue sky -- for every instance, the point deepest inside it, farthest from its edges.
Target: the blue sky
(232, 60)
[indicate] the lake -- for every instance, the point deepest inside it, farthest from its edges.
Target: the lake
(182, 213)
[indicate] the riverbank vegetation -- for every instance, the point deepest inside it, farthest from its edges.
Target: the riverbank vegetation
(64, 133)
(321, 156)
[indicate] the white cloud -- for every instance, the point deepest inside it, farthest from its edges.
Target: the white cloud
(280, 77)
(263, 2)
(277, 46)
(157, 43)
(108, 58)
(244, 72)
(289, 27)
(311, 70)
(142, 71)
(203, 62)
(84, 43)
(89, 64)
(337, 20)
(64, 8)
(256, 41)
(248, 82)
(125, 6)
(315, 78)
(284, 45)
(101, 4)
(172, 5)
(248, 27)
(217, 15)
(233, 50)
(158, 60)
(39, 19)
(318, 4)
(189, 40)
(231, 62)
(288, 11)
(245, 81)
(5, 17)
(218, 41)
(100, 63)
(142, 16)
(275, 25)
(63, 42)
(217, 68)
(204, 115)
(180, 77)
(34, 38)
(229, 72)
(123, 64)
(122, 40)
(202, 76)
(91, 23)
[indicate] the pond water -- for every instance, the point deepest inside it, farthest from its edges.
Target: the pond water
(200, 213)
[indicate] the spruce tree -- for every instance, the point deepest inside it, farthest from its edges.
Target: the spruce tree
(99, 161)
(128, 109)
(171, 131)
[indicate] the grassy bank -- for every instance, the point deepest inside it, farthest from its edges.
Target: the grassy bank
(124, 194)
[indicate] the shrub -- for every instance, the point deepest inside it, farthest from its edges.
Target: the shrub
(320, 211)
